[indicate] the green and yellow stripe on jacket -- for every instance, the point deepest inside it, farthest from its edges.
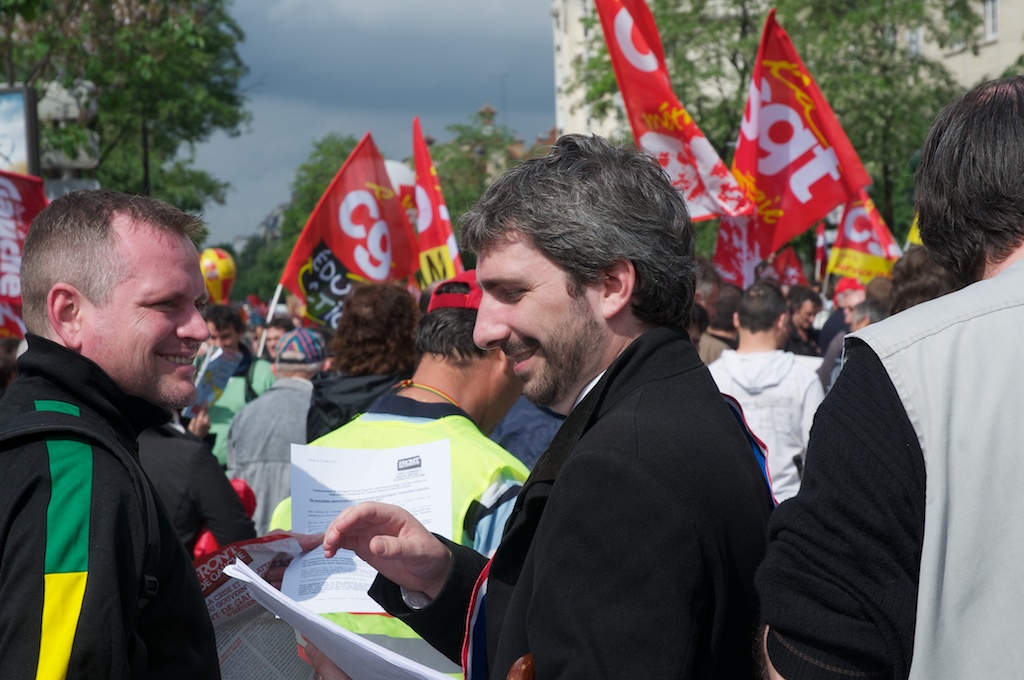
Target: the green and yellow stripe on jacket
(67, 546)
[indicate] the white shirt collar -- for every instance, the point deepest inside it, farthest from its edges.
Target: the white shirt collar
(586, 389)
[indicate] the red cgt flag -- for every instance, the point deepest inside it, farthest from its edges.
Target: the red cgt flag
(439, 257)
(358, 230)
(864, 247)
(661, 125)
(792, 159)
(22, 197)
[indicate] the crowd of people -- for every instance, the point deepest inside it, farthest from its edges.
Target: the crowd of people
(653, 474)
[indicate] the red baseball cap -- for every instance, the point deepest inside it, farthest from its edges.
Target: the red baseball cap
(470, 300)
(848, 283)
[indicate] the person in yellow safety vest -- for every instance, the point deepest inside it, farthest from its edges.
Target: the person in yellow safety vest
(458, 392)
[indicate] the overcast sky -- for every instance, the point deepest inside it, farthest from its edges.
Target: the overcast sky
(322, 66)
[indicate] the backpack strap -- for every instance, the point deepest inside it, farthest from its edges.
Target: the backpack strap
(35, 423)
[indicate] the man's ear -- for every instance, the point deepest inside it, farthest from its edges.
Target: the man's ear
(65, 313)
(617, 287)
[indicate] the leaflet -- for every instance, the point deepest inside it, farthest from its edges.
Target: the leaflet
(360, 658)
(251, 642)
(212, 377)
(326, 481)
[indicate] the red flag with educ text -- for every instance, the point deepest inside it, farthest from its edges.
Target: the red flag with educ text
(661, 125)
(865, 248)
(358, 231)
(439, 257)
(793, 158)
(22, 197)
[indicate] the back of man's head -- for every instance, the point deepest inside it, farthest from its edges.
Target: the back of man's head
(446, 331)
(917, 278)
(868, 312)
(970, 188)
(588, 204)
(760, 308)
(728, 303)
(72, 241)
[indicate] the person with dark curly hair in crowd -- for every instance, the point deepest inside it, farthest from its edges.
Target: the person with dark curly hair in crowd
(917, 278)
(373, 348)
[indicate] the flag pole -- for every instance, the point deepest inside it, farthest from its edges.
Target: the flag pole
(270, 317)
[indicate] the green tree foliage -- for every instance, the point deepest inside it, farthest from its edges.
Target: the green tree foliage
(312, 179)
(162, 77)
(860, 52)
(478, 152)
(262, 261)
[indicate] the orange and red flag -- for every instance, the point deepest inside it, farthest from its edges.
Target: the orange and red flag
(865, 248)
(358, 230)
(661, 125)
(793, 159)
(439, 257)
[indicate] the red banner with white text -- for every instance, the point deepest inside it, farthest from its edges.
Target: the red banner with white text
(865, 248)
(358, 230)
(439, 257)
(793, 159)
(661, 125)
(22, 197)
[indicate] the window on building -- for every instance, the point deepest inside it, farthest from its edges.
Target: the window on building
(915, 37)
(990, 18)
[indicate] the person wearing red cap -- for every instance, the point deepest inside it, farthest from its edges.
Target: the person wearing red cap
(457, 393)
(849, 293)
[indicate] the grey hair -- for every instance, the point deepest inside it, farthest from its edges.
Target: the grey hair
(71, 240)
(587, 204)
(872, 310)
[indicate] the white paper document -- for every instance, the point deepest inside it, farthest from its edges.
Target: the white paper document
(326, 481)
(360, 658)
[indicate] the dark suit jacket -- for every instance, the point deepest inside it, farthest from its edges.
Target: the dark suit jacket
(632, 549)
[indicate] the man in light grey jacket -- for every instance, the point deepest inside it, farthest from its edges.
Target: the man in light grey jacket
(900, 557)
(261, 435)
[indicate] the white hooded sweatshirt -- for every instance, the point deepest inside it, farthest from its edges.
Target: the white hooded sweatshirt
(779, 397)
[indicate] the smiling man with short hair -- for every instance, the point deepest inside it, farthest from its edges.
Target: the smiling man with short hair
(95, 583)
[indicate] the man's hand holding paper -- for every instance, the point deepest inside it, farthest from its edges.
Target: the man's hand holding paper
(394, 543)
